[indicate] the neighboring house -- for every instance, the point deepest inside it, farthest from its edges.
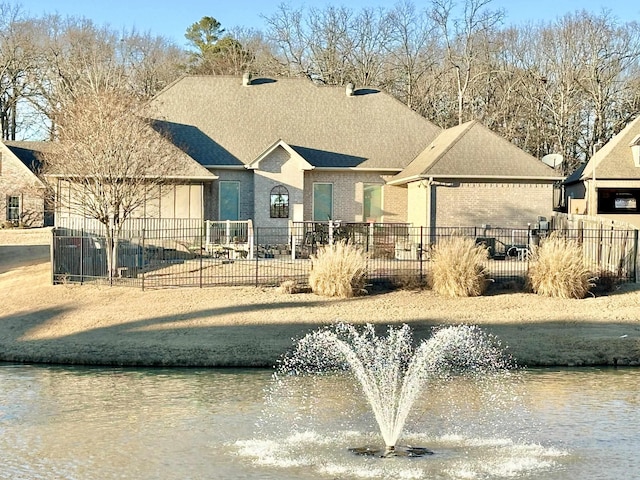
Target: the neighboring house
(22, 193)
(470, 176)
(288, 149)
(608, 185)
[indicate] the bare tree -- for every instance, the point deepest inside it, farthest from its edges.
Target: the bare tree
(108, 161)
(150, 62)
(328, 31)
(286, 30)
(411, 51)
(75, 55)
(17, 65)
(606, 51)
(263, 59)
(465, 38)
(369, 35)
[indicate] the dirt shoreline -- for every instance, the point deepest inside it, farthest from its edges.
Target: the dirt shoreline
(253, 327)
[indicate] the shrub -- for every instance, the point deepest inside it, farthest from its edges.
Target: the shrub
(338, 270)
(557, 269)
(408, 280)
(292, 287)
(458, 269)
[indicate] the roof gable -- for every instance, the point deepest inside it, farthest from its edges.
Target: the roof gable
(368, 129)
(615, 159)
(304, 165)
(471, 150)
(25, 156)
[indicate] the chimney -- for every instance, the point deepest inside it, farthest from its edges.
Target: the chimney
(349, 89)
(246, 79)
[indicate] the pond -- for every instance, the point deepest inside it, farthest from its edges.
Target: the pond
(107, 423)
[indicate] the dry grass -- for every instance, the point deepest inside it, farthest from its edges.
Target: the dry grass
(338, 270)
(292, 287)
(557, 269)
(458, 268)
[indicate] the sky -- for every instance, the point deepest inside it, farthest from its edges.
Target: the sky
(171, 18)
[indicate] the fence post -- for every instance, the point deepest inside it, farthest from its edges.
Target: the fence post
(421, 255)
(293, 247)
(252, 251)
(257, 242)
(81, 256)
(143, 257)
(330, 232)
(201, 250)
(52, 253)
(636, 251)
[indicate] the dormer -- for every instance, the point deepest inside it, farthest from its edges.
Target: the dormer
(635, 150)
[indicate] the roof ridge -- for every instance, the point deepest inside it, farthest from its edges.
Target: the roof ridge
(464, 128)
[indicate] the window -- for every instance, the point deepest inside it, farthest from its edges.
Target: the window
(618, 200)
(13, 209)
(372, 202)
(322, 202)
(229, 201)
(279, 202)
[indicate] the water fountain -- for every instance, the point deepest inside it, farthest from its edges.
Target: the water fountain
(391, 372)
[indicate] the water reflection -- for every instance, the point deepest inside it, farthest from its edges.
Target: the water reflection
(104, 423)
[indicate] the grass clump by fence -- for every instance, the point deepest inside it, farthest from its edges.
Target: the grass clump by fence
(557, 269)
(458, 268)
(338, 270)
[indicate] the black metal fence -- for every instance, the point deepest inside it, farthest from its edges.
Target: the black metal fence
(191, 255)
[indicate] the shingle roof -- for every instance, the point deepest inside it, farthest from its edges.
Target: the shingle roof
(27, 152)
(218, 121)
(615, 160)
(472, 150)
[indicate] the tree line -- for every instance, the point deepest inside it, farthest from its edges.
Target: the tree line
(564, 86)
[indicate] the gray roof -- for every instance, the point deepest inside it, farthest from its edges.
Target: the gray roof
(220, 122)
(471, 150)
(615, 160)
(27, 152)
(30, 154)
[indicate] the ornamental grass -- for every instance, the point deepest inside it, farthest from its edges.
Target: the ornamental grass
(338, 270)
(458, 268)
(557, 269)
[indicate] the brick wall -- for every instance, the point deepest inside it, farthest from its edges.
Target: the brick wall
(348, 195)
(245, 177)
(15, 180)
(276, 169)
(508, 204)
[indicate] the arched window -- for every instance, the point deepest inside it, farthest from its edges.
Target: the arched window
(279, 202)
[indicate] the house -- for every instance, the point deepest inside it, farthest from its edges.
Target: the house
(608, 185)
(470, 176)
(22, 193)
(287, 149)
